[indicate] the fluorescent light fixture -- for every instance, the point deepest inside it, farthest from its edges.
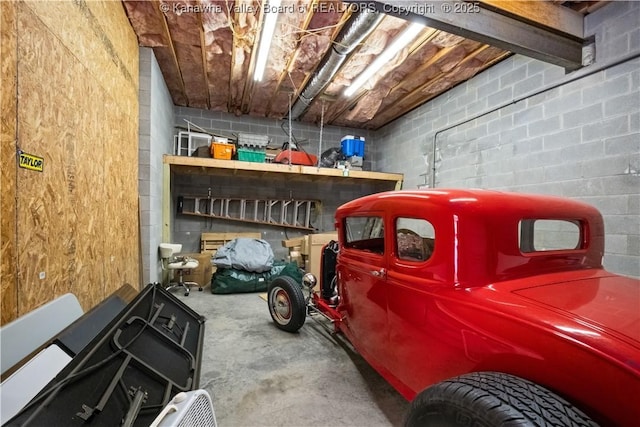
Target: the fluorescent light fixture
(396, 45)
(268, 27)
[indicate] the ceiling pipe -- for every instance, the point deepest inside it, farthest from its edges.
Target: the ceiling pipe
(359, 26)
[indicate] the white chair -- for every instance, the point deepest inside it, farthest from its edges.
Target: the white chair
(21, 338)
(178, 264)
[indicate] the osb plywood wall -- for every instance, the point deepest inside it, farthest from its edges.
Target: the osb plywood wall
(7, 162)
(73, 227)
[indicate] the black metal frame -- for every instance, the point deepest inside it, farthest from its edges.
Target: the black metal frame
(129, 371)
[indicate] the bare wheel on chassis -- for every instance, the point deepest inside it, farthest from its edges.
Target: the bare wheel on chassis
(492, 399)
(286, 304)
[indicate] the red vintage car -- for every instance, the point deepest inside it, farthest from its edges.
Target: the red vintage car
(481, 307)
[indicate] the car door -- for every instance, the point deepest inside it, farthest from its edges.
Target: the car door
(362, 271)
(413, 280)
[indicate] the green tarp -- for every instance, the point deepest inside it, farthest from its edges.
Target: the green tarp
(230, 280)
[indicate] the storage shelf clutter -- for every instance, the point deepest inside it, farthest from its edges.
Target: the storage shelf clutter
(253, 141)
(352, 146)
(186, 143)
(252, 148)
(222, 150)
(245, 147)
(251, 155)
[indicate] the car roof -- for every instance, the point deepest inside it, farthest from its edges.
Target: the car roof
(485, 233)
(479, 201)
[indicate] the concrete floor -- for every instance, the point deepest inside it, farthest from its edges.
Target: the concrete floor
(258, 375)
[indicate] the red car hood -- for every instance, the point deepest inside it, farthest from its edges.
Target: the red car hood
(609, 304)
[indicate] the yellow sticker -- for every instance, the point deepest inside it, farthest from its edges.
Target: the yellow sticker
(29, 161)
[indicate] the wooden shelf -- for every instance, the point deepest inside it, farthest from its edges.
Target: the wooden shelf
(201, 165)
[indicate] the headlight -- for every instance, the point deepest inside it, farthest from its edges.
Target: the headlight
(309, 280)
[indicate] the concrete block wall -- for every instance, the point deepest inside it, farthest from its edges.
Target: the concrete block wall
(156, 139)
(526, 126)
(331, 194)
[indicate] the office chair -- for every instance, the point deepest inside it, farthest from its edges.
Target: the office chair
(178, 264)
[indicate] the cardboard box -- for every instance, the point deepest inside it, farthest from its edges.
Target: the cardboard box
(306, 251)
(202, 274)
(295, 242)
(296, 256)
(318, 239)
(312, 249)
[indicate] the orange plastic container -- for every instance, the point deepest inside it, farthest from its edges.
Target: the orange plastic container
(222, 151)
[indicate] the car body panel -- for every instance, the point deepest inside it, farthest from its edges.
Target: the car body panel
(366, 311)
(591, 301)
(479, 303)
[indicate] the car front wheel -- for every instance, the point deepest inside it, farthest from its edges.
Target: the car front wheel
(286, 304)
(492, 399)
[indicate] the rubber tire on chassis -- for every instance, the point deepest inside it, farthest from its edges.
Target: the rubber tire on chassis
(286, 304)
(492, 399)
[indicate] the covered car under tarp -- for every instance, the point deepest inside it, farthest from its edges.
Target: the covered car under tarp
(246, 265)
(243, 253)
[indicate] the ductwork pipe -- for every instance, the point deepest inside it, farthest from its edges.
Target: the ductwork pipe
(357, 28)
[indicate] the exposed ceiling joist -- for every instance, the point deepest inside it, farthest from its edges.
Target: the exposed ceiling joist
(425, 38)
(416, 93)
(153, 29)
(242, 58)
(205, 69)
(285, 75)
(477, 23)
(561, 19)
(206, 49)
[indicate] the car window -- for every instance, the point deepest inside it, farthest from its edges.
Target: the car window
(537, 235)
(365, 233)
(415, 239)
